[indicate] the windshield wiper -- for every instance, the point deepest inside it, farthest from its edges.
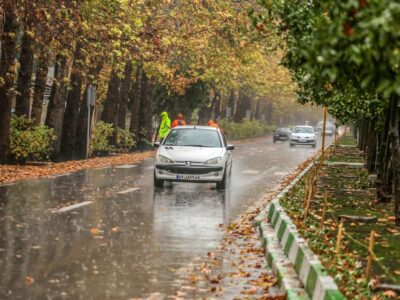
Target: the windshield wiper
(196, 146)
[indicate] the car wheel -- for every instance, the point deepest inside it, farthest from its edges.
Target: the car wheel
(314, 145)
(291, 145)
(274, 140)
(159, 183)
(221, 185)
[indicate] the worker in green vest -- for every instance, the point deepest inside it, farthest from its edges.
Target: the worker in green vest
(165, 126)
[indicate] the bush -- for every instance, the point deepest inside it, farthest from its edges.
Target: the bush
(100, 139)
(125, 140)
(103, 134)
(29, 142)
(245, 129)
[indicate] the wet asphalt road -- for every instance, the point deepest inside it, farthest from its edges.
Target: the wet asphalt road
(107, 234)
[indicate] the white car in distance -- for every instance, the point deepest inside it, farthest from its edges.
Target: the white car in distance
(303, 135)
(193, 154)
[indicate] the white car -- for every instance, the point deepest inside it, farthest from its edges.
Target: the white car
(303, 135)
(193, 154)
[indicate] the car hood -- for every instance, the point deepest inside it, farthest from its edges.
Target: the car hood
(193, 154)
(303, 135)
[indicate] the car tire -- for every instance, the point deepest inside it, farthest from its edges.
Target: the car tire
(158, 183)
(274, 140)
(221, 185)
(291, 145)
(314, 145)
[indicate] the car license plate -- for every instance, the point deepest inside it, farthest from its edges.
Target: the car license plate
(187, 177)
(302, 141)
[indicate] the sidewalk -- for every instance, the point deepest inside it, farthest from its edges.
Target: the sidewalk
(342, 183)
(12, 173)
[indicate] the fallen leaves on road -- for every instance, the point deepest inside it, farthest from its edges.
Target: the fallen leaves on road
(237, 268)
(11, 173)
(29, 280)
(95, 231)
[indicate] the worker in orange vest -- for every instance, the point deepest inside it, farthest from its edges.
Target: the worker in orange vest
(215, 124)
(212, 124)
(179, 121)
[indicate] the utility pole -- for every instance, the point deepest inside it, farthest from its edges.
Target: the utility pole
(323, 137)
(91, 102)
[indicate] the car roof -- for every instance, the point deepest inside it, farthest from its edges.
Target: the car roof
(303, 126)
(195, 127)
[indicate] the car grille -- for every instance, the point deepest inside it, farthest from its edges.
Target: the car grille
(189, 170)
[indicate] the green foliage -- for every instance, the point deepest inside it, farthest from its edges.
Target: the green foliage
(342, 54)
(245, 129)
(125, 140)
(100, 139)
(103, 134)
(29, 142)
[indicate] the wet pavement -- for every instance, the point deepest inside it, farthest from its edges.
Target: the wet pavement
(107, 234)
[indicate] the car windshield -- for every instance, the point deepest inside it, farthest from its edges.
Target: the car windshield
(303, 130)
(193, 137)
(282, 129)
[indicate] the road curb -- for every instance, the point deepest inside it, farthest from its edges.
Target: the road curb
(316, 281)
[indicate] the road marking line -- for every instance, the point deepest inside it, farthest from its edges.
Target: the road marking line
(126, 166)
(281, 173)
(73, 206)
(250, 172)
(128, 191)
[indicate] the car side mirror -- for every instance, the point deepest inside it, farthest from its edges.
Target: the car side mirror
(230, 147)
(157, 144)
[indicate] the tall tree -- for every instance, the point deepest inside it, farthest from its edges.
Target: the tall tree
(7, 71)
(124, 95)
(23, 98)
(135, 105)
(71, 113)
(56, 106)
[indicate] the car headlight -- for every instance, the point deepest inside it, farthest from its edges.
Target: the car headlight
(164, 160)
(213, 161)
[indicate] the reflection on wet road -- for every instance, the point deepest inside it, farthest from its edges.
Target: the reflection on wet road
(106, 234)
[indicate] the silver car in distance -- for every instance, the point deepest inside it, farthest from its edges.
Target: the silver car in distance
(193, 154)
(303, 135)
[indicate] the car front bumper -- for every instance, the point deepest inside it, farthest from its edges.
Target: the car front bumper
(182, 173)
(302, 142)
(281, 137)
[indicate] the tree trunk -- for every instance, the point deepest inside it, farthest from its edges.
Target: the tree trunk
(217, 105)
(232, 100)
(109, 114)
(395, 151)
(135, 107)
(242, 107)
(40, 87)
(23, 98)
(72, 108)
(381, 165)
(371, 146)
(56, 108)
(7, 64)
(82, 127)
(205, 112)
(146, 114)
(124, 95)
(257, 113)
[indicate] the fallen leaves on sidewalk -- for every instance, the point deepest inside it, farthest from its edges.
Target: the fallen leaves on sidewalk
(11, 173)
